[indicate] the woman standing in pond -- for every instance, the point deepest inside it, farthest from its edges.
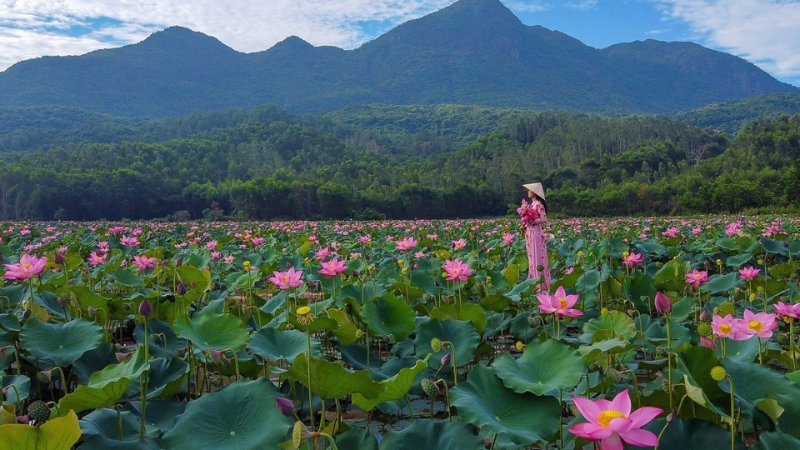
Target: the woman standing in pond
(533, 215)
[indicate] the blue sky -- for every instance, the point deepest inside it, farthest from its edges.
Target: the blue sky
(764, 32)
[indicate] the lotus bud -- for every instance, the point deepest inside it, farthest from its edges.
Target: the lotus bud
(59, 258)
(285, 406)
(707, 343)
(179, 261)
(145, 308)
(45, 376)
(181, 289)
(122, 357)
(663, 303)
(446, 359)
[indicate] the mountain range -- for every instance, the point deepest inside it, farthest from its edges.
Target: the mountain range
(472, 52)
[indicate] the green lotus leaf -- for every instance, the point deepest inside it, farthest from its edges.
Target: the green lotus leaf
(209, 331)
(243, 415)
(127, 278)
(777, 441)
(106, 387)
(696, 364)
(166, 377)
(330, 380)
(347, 332)
(357, 438)
(105, 429)
(394, 388)
(433, 434)
(589, 281)
(543, 367)
(754, 383)
(486, 403)
(389, 316)
(672, 276)
(275, 345)
(773, 246)
(682, 434)
(613, 325)
(738, 260)
(722, 284)
(56, 434)
(467, 311)
(652, 248)
(62, 343)
(18, 388)
(461, 333)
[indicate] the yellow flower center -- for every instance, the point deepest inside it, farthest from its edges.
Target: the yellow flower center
(562, 302)
(725, 328)
(697, 276)
(26, 265)
(755, 325)
(284, 278)
(303, 310)
(605, 417)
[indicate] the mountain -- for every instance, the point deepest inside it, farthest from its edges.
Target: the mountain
(732, 116)
(471, 52)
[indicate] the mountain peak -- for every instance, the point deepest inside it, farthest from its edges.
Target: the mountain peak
(178, 38)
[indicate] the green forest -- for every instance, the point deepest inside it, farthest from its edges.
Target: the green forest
(392, 162)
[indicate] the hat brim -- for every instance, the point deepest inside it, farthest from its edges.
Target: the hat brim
(536, 188)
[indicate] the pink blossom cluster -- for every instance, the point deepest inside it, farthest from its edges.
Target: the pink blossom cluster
(529, 213)
(759, 324)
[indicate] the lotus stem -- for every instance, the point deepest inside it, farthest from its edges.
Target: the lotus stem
(791, 344)
(308, 366)
(669, 359)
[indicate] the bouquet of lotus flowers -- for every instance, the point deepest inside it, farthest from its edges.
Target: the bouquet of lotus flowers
(529, 213)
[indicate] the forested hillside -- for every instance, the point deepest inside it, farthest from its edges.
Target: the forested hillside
(385, 161)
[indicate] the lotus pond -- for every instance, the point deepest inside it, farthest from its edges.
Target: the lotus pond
(670, 332)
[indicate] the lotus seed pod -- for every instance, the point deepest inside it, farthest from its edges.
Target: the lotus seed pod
(718, 373)
(38, 411)
(430, 388)
(704, 329)
(436, 344)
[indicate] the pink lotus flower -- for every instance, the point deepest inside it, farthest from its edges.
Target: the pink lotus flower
(612, 422)
(733, 229)
(288, 279)
(406, 244)
(754, 324)
(211, 245)
(671, 232)
(27, 267)
(633, 259)
(559, 303)
(456, 270)
(333, 267)
(723, 327)
(787, 311)
(96, 259)
(322, 253)
(696, 277)
(696, 231)
(143, 263)
(365, 239)
(508, 238)
(749, 273)
(129, 241)
(458, 244)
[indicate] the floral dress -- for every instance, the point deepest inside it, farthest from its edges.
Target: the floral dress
(536, 245)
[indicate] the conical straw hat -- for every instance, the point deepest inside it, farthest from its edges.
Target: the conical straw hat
(536, 188)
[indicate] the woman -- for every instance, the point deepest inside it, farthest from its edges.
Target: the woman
(533, 215)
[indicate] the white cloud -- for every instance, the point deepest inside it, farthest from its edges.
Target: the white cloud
(31, 28)
(766, 32)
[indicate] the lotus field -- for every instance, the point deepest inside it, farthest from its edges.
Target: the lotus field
(675, 333)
